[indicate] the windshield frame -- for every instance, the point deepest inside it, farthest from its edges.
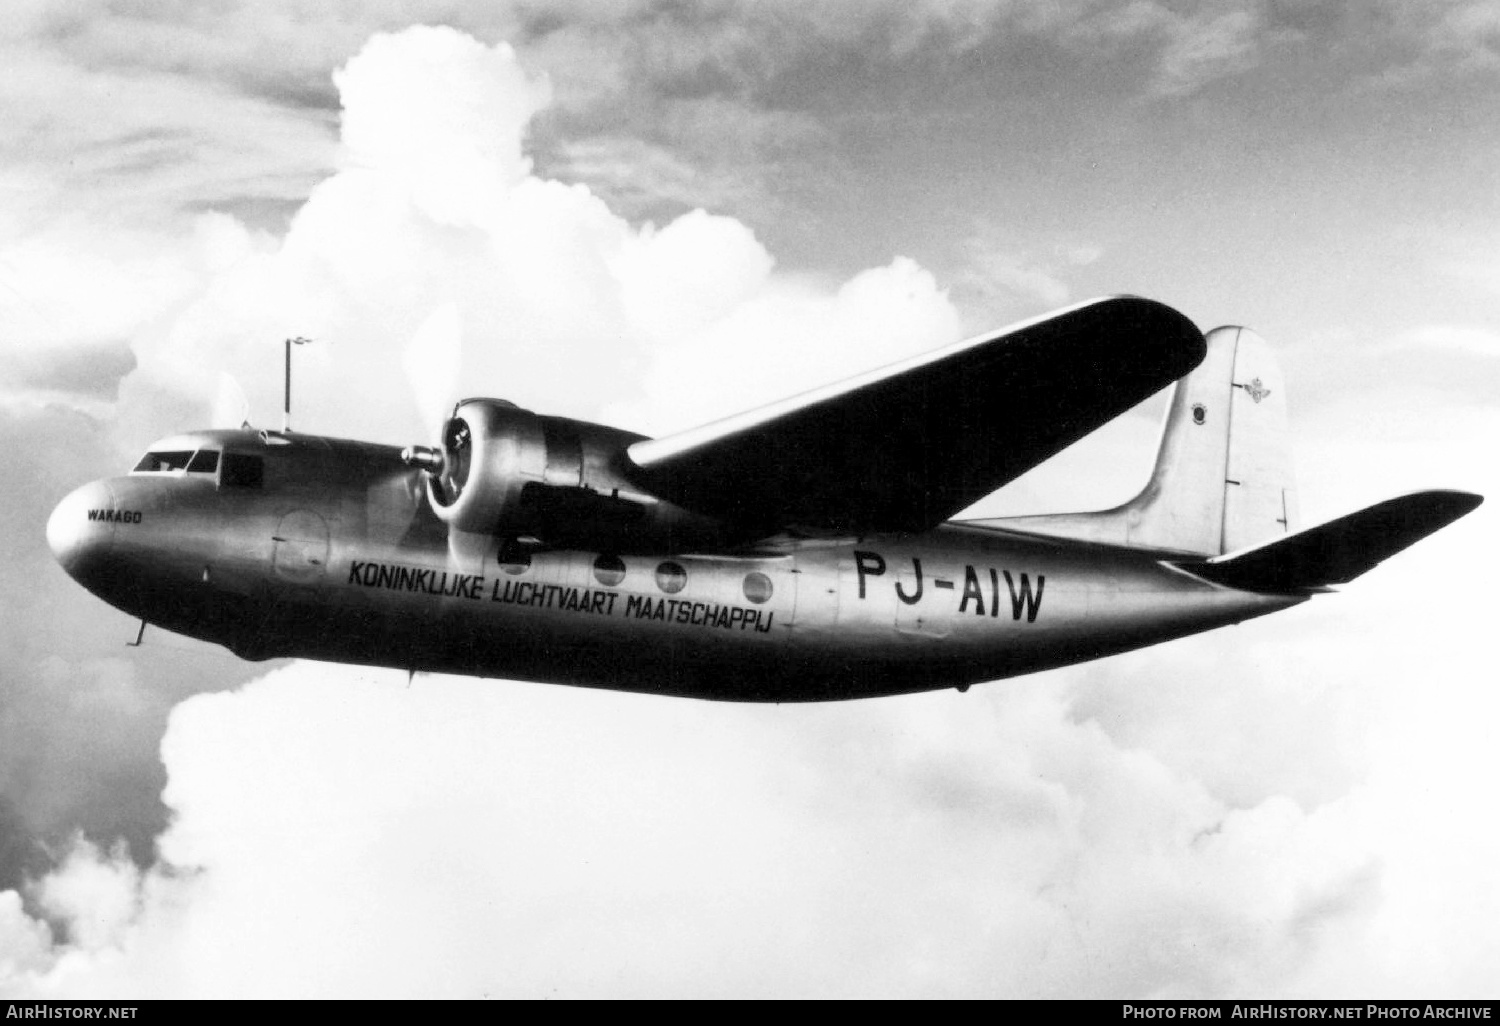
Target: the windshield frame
(179, 462)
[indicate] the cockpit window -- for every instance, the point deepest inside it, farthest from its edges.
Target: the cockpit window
(242, 470)
(162, 462)
(204, 461)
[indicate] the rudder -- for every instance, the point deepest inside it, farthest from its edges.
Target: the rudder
(1260, 496)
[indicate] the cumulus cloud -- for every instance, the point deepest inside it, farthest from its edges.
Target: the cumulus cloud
(455, 842)
(790, 336)
(79, 727)
(667, 287)
(435, 210)
(448, 125)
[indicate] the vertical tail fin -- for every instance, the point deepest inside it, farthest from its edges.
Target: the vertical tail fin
(1223, 476)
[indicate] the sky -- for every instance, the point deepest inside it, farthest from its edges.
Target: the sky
(653, 214)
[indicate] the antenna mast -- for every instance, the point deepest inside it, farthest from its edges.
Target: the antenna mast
(286, 406)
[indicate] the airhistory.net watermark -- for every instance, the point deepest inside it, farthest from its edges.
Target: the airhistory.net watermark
(54, 1011)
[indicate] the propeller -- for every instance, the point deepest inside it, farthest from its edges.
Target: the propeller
(448, 467)
(433, 361)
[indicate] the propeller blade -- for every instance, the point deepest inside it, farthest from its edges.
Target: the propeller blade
(433, 362)
(231, 407)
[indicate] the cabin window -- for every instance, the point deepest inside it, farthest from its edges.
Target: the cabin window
(609, 570)
(163, 462)
(241, 470)
(204, 461)
(671, 577)
(757, 587)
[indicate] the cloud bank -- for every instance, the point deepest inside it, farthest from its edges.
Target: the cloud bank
(435, 245)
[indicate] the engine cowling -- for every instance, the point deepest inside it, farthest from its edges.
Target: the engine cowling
(491, 449)
(507, 472)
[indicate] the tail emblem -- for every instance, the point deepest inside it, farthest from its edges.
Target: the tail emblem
(1256, 390)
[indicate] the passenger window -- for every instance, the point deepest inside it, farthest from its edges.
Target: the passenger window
(162, 462)
(757, 587)
(609, 570)
(671, 577)
(204, 461)
(240, 470)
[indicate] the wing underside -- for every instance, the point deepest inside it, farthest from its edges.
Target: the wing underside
(908, 446)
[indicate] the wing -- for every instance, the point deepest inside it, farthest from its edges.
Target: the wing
(906, 447)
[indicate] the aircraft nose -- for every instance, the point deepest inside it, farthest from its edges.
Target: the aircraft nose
(80, 529)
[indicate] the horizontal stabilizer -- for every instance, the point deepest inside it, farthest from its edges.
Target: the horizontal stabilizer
(1340, 550)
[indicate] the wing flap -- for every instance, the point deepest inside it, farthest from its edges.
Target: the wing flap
(906, 447)
(1339, 551)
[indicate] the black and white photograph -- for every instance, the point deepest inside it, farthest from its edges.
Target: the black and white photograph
(749, 499)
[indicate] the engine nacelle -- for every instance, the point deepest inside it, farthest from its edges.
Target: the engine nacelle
(507, 472)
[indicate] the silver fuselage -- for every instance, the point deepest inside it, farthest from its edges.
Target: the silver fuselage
(337, 556)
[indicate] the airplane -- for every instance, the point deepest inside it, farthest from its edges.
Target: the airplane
(802, 551)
